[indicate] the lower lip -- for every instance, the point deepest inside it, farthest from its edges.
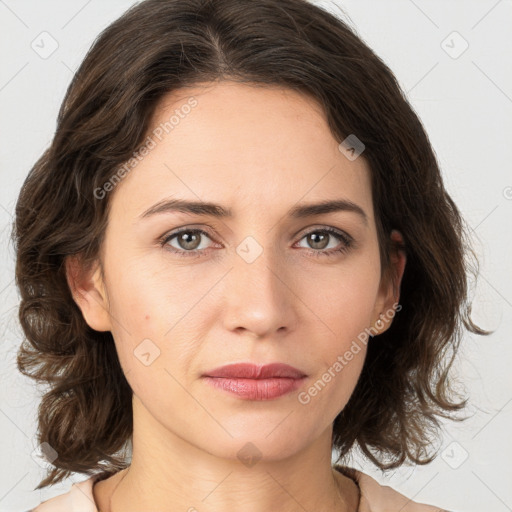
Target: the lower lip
(256, 389)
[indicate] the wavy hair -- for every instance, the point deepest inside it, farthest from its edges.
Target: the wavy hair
(158, 46)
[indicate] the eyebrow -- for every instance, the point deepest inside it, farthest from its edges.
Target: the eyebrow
(219, 211)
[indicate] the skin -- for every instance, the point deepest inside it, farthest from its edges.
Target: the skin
(259, 151)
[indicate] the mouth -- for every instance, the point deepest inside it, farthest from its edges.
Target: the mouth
(253, 382)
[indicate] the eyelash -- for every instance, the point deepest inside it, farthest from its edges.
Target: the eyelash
(342, 237)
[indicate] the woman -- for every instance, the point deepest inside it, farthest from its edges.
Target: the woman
(236, 256)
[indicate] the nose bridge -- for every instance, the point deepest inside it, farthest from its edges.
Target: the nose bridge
(257, 298)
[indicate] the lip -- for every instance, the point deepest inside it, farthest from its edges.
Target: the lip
(254, 382)
(254, 371)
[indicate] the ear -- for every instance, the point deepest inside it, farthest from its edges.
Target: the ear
(88, 290)
(389, 290)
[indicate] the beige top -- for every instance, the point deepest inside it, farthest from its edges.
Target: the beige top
(373, 496)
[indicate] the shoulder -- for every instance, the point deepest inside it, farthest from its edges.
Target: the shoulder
(79, 498)
(382, 498)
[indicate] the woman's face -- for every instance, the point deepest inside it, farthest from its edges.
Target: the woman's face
(251, 286)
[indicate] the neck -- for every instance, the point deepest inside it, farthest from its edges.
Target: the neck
(167, 473)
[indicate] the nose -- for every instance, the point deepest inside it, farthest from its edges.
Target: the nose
(258, 296)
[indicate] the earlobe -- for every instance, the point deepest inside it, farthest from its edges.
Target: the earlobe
(88, 291)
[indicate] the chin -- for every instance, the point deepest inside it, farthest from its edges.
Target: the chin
(251, 449)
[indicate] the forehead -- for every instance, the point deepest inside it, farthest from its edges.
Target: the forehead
(250, 147)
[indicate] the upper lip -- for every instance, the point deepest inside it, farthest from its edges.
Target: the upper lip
(254, 371)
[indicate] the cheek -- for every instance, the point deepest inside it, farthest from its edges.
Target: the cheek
(345, 307)
(347, 300)
(156, 329)
(143, 295)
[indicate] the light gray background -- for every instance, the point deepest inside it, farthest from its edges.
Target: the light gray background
(465, 104)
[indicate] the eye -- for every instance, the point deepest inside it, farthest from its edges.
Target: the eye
(319, 243)
(188, 241)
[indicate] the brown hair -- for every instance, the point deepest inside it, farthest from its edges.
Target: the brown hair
(159, 46)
